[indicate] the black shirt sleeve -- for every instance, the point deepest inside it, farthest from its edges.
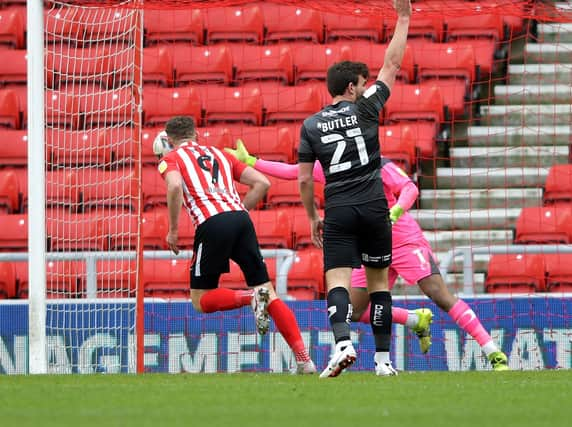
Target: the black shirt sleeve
(305, 152)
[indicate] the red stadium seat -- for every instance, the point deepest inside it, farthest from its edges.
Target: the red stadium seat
(12, 28)
(291, 23)
(67, 232)
(284, 192)
(120, 228)
(231, 104)
(351, 27)
(216, 136)
(154, 187)
(166, 278)
(558, 186)
(7, 280)
(121, 142)
(451, 66)
(72, 147)
(62, 278)
(515, 273)
(9, 109)
(167, 25)
(267, 142)
(259, 63)
(13, 147)
(114, 189)
(109, 107)
(473, 26)
(13, 67)
(116, 278)
(273, 228)
(154, 228)
(290, 103)
(428, 26)
(558, 272)
(398, 144)
(72, 64)
(551, 224)
(9, 191)
(158, 66)
(186, 226)
(373, 56)
(62, 25)
(306, 276)
(160, 104)
(201, 64)
(14, 235)
(301, 226)
(234, 23)
(108, 24)
(311, 61)
(444, 60)
(415, 102)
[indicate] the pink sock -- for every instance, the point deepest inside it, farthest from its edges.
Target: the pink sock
(398, 315)
(222, 299)
(467, 320)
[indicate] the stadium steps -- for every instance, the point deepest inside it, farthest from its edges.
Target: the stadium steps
(466, 219)
(533, 94)
(527, 115)
(514, 177)
(518, 135)
(480, 198)
(549, 52)
(557, 33)
(543, 74)
(492, 157)
(444, 240)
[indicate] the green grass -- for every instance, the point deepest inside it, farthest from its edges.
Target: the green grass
(480, 399)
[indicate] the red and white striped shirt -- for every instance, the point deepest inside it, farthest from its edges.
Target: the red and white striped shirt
(208, 179)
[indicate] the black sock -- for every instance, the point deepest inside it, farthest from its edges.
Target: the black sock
(340, 313)
(380, 319)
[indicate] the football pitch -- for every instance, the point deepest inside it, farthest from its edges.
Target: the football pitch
(480, 399)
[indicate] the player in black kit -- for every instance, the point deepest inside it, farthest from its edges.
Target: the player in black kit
(343, 137)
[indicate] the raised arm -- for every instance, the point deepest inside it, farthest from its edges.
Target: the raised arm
(396, 49)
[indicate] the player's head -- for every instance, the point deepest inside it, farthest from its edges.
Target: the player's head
(347, 78)
(181, 129)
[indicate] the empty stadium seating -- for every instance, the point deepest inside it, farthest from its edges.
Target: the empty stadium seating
(231, 104)
(165, 278)
(290, 103)
(291, 23)
(311, 61)
(351, 27)
(116, 278)
(9, 109)
(282, 192)
(67, 232)
(12, 28)
(398, 144)
(9, 191)
(201, 64)
(558, 186)
(13, 67)
(234, 24)
(558, 272)
(14, 236)
(273, 228)
(374, 54)
(174, 25)
(267, 142)
(301, 227)
(162, 103)
(7, 280)
(306, 276)
(549, 224)
(515, 273)
(62, 279)
(260, 63)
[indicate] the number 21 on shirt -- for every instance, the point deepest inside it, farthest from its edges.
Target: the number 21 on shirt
(355, 134)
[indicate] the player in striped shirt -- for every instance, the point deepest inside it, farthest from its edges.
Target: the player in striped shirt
(412, 259)
(201, 178)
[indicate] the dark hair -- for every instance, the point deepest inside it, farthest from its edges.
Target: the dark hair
(180, 127)
(341, 74)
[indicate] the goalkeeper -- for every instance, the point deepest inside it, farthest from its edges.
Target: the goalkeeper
(412, 259)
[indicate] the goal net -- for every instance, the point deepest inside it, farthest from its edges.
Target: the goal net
(479, 119)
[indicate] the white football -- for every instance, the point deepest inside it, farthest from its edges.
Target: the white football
(161, 144)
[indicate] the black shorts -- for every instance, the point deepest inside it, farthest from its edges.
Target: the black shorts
(356, 235)
(226, 236)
